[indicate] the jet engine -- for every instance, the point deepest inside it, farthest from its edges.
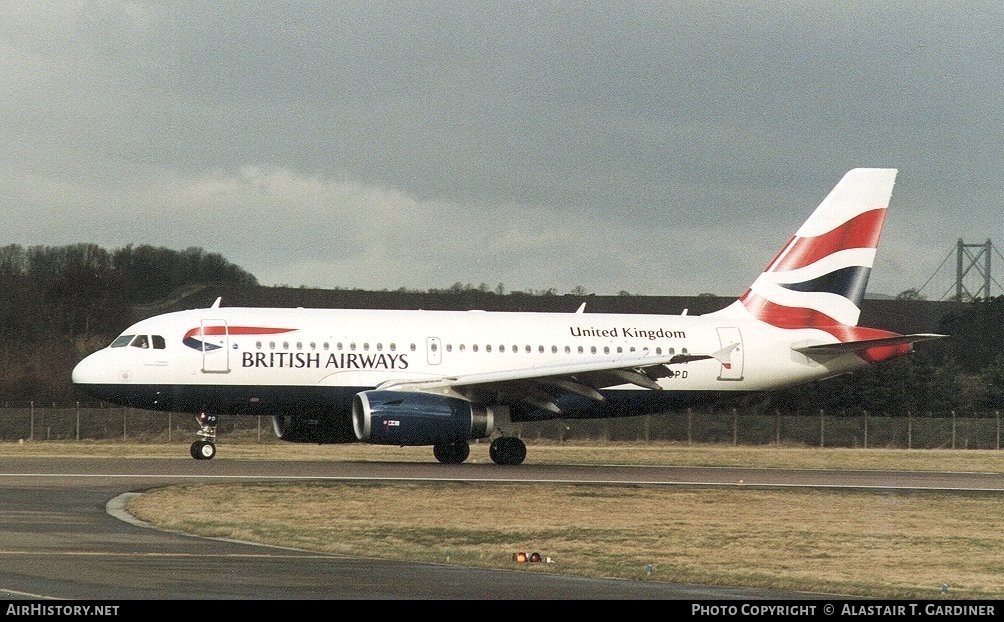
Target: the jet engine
(402, 418)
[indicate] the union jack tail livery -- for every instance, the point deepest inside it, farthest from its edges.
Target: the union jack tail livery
(443, 378)
(819, 277)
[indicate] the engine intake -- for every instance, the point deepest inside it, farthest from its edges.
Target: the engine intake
(400, 418)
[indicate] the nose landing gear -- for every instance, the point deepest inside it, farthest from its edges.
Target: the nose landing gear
(205, 447)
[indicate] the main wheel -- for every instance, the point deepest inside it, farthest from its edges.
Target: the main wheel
(451, 453)
(507, 450)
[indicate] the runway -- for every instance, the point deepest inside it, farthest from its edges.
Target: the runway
(63, 536)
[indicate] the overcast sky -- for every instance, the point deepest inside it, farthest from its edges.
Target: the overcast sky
(658, 148)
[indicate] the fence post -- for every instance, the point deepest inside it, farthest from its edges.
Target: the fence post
(909, 429)
(822, 428)
(31, 428)
(866, 429)
(125, 411)
(953, 429)
(998, 429)
(78, 420)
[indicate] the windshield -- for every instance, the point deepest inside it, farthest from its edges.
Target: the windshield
(122, 341)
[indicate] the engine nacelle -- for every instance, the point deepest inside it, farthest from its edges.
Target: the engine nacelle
(322, 429)
(408, 419)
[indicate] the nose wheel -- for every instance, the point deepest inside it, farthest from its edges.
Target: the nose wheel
(203, 450)
(205, 447)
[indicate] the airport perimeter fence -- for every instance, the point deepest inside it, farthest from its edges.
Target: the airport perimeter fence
(33, 421)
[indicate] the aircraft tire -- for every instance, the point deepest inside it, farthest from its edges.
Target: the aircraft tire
(203, 450)
(452, 453)
(507, 450)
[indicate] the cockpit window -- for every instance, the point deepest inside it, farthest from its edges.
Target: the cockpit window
(141, 341)
(158, 342)
(121, 341)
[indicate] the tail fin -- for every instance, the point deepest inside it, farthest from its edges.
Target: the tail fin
(819, 278)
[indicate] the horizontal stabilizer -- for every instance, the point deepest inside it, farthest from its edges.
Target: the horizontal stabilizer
(855, 346)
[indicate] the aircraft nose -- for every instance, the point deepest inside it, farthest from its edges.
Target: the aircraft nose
(91, 370)
(81, 371)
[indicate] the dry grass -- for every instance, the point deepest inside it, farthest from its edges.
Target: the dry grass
(894, 545)
(881, 544)
(654, 453)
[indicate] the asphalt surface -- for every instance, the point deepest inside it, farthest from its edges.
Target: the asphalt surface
(63, 534)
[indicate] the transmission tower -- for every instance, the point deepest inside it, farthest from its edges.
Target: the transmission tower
(968, 260)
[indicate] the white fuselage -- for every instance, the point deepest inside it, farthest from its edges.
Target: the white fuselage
(363, 349)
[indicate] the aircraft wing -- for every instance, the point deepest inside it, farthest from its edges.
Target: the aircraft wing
(541, 386)
(855, 346)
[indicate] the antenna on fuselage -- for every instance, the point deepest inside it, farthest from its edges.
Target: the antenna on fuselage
(216, 305)
(581, 308)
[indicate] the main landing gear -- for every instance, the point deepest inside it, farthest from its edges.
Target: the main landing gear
(507, 450)
(503, 450)
(205, 447)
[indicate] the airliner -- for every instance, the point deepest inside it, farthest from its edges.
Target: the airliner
(446, 378)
